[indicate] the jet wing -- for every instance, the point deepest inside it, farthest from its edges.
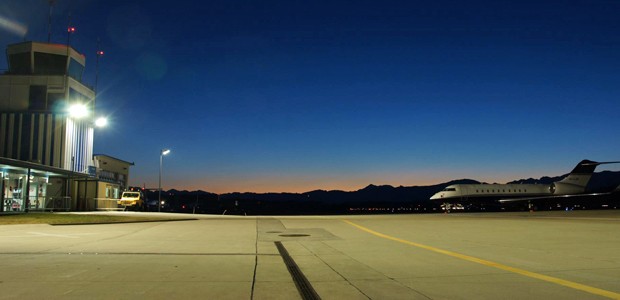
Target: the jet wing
(551, 197)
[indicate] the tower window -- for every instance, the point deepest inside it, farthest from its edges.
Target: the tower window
(37, 97)
(49, 64)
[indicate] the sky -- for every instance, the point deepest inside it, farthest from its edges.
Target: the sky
(294, 96)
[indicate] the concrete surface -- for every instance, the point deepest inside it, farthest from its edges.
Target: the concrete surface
(550, 255)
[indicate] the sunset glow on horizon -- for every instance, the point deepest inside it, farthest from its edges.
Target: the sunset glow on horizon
(299, 96)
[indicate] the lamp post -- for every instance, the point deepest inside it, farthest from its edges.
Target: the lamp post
(161, 158)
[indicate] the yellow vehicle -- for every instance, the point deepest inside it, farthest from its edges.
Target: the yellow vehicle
(132, 200)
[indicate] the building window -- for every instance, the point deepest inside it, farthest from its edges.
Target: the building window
(19, 63)
(75, 70)
(78, 97)
(49, 64)
(37, 97)
(54, 101)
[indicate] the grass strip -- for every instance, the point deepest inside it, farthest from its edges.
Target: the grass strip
(68, 219)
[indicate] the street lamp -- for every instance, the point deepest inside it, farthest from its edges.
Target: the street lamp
(161, 158)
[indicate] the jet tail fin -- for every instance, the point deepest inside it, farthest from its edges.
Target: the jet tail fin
(581, 174)
(573, 185)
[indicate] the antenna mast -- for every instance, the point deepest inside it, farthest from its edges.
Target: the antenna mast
(49, 21)
(70, 30)
(99, 54)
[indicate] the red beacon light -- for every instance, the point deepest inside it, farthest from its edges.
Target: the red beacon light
(71, 29)
(100, 53)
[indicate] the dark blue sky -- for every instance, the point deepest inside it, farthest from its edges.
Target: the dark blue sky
(302, 95)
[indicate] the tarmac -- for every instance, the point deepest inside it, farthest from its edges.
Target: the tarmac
(541, 255)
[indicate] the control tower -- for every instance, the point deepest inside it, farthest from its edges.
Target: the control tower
(46, 110)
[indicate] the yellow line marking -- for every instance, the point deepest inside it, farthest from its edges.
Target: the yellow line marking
(570, 284)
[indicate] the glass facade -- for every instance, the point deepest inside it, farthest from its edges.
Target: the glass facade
(45, 64)
(24, 189)
(49, 64)
(19, 63)
(76, 69)
(13, 187)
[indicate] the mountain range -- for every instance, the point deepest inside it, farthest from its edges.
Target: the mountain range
(379, 197)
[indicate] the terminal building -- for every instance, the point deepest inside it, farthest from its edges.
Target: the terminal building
(47, 129)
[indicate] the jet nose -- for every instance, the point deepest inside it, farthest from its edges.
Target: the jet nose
(436, 196)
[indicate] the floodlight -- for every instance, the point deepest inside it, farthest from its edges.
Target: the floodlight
(78, 111)
(101, 122)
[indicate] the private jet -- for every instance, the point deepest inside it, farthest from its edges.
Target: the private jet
(572, 185)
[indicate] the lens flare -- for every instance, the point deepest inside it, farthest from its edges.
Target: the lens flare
(13, 27)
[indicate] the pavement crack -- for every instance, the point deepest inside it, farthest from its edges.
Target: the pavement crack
(255, 261)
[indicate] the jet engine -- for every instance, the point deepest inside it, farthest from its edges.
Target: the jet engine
(560, 188)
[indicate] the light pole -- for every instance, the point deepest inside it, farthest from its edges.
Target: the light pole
(161, 158)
